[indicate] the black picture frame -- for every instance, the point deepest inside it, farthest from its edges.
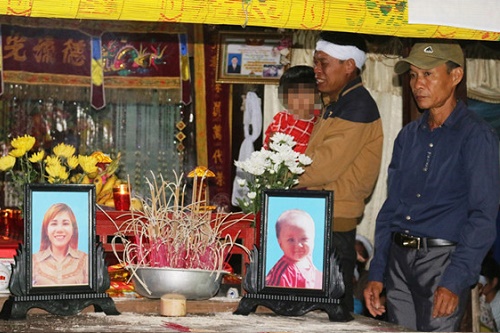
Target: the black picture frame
(79, 199)
(318, 205)
(59, 297)
(293, 299)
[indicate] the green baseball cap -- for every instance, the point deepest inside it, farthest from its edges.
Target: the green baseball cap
(430, 55)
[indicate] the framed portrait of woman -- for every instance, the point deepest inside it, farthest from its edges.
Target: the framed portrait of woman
(60, 266)
(60, 238)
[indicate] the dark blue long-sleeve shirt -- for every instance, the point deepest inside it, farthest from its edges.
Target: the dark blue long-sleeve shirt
(444, 184)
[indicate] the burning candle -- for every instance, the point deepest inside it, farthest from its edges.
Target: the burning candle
(121, 196)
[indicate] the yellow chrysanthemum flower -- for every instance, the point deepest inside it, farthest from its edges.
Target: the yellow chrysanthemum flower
(101, 157)
(7, 162)
(88, 163)
(25, 142)
(64, 150)
(56, 172)
(37, 157)
(72, 162)
(17, 152)
(50, 160)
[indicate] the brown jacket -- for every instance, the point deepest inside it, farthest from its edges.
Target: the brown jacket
(346, 149)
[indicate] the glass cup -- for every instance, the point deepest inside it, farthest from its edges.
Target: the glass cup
(121, 197)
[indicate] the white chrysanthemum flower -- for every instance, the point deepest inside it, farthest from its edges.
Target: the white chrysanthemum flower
(296, 170)
(275, 168)
(284, 139)
(304, 159)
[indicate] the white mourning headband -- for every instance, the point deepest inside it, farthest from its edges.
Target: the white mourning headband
(342, 52)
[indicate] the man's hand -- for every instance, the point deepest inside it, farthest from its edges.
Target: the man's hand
(372, 298)
(445, 302)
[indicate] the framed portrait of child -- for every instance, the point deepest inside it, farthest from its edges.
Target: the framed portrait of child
(295, 242)
(294, 269)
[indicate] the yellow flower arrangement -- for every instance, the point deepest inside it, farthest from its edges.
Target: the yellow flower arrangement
(60, 167)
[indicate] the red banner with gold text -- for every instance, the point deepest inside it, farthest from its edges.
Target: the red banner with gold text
(69, 57)
(218, 120)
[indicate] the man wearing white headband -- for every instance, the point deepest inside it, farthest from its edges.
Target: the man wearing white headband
(346, 143)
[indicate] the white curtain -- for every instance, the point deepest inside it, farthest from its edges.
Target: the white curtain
(252, 122)
(383, 84)
(483, 80)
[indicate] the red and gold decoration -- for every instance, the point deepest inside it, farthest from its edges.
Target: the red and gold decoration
(70, 57)
(217, 126)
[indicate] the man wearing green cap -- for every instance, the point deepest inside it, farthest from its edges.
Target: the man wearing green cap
(438, 221)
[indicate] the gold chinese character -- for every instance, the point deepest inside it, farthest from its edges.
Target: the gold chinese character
(213, 62)
(45, 51)
(216, 112)
(73, 52)
(217, 132)
(219, 178)
(217, 156)
(13, 47)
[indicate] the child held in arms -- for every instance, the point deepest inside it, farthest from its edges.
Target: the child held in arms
(295, 233)
(301, 100)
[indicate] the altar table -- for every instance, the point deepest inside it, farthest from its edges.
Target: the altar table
(214, 315)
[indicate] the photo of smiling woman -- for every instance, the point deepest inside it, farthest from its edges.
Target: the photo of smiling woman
(59, 261)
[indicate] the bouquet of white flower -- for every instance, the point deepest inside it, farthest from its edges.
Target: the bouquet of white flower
(276, 168)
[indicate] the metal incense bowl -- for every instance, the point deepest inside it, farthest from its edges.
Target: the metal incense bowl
(194, 284)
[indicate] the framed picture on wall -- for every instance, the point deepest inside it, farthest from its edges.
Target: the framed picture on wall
(244, 57)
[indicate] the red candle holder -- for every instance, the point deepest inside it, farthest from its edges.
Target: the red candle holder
(121, 197)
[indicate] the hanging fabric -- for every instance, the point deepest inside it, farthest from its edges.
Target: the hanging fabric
(252, 128)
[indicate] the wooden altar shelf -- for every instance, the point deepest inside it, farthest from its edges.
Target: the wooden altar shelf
(213, 315)
(105, 230)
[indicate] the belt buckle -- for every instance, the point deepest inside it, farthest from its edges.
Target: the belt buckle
(410, 241)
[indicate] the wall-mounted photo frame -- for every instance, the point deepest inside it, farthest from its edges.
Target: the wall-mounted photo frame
(295, 242)
(60, 234)
(244, 57)
(60, 266)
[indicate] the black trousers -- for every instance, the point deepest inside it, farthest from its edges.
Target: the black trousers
(413, 276)
(343, 243)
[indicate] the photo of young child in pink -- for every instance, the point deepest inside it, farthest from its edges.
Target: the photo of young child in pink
(295, 232)
(300, 98)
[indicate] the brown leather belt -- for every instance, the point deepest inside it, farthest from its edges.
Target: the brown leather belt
(404, 240)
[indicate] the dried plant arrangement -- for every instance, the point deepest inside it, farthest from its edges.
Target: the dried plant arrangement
(168, 233)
